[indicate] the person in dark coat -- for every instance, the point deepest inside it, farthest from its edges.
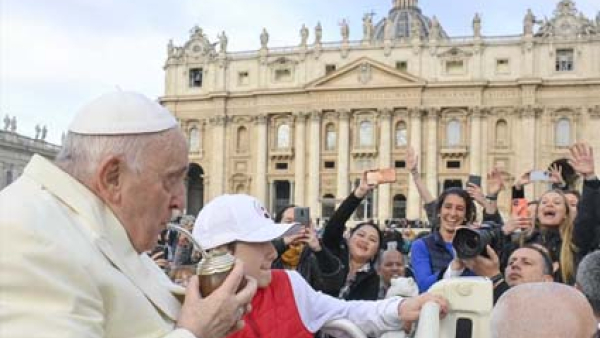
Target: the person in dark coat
(304, 253)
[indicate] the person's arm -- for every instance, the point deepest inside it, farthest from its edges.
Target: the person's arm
(372, 317)
(518, 190)
(420, 260)
(334, 230)
(412, 165)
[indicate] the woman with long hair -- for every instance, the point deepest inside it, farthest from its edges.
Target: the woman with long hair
(431, 255)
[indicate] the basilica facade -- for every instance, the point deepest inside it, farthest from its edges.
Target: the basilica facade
(300, 124)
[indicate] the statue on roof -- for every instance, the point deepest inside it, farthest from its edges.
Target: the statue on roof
(13, 124)
(37, 131)
(318, 33)
(388, 29)
(264, 38)
(415, 27)
(222, 42)
(6, 122)
(344, 30)
(477, 26)
(170, 48)
(368, 27)
(528, 22)
(598, 21)
(434, 33)
(44, 132)
(303, 35)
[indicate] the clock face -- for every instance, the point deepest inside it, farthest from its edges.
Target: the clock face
(197, 48)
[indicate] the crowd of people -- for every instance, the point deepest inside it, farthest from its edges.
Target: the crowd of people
(86, 252)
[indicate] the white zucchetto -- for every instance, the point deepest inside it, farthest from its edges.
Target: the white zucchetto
(122, 113)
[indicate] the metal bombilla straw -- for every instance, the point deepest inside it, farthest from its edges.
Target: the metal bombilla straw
(189, 236)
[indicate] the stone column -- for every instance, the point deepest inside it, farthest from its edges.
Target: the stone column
(217, 174)
(385, 161)
(260, 178)
(475, 144)
(485, 139)
(431, 170)
(526, 158)
(413, 210)
(343, 148)
(314, 161)
(300, 158)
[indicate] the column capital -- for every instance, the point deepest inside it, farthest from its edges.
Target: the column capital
(529, 111)
(594, 112)
(414, 112)
(301, 116)
(433, 113)
(385, 113)
(260, 119)
(218, 120)
(315, 115)
(343, 114)
(476, 112)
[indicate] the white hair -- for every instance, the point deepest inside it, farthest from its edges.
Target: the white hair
(588, 279)
(81, 154)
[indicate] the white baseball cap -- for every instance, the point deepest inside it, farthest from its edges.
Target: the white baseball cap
(230, 218)
(122, 113)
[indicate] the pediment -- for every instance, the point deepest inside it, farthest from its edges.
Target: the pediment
(455, 52)
(365, 72)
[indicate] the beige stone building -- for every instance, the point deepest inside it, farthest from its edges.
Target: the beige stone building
(299, 124)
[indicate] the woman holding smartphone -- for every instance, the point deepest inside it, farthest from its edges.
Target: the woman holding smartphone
(304, 253)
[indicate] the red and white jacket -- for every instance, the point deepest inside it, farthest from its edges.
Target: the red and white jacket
(289, 307)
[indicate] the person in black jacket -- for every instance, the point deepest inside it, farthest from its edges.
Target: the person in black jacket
(304, 253)
(359, 253)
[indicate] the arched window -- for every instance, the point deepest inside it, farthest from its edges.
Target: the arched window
(283, 136)
(240, 189)
(194, 140)
(242, 140)
(399, 208)
(401, 140)
(327, 206)
(453, 133)
(330, 137)
(366, 134)
(501, 133)
(563, 133)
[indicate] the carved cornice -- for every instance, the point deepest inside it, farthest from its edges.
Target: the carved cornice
(433, 113)
(219, 120)
(476, 112)
(594, 112)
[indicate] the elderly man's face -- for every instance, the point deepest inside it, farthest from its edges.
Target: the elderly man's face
(526, 266)
(148, 197)
(392, 266)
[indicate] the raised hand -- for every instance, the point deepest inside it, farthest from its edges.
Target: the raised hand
(523, 180)
(412, 160)
(364, 188)
(555, 172)
(476, 193)
(582, 159)
(495, 183)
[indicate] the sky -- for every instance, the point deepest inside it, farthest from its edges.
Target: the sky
(57, 55)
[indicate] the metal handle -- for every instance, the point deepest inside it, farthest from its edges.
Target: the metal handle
(189, 236)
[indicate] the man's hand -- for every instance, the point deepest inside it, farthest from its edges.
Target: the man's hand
(311, 239)
(364, 188)
(410, 308)
(523, 180)
(291, 239)
(555, 172)
(221, 313)
(522, 223)
(582, 159)
(412, 160)
(484, 266)
(476, 193)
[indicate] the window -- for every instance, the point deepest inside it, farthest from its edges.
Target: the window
(453, 133)
(401, 140)
(455, 67)
(502, 66)
(243, 78)
(240, 189)
(399, 164)
(283, 136)
(330, 137)
(329, 165)
(402, 66)
(194, 141)
(328, 206)
(196, 77)
(501, 133)
(242, 140)
(563, 133)
(564, 60)
(330, 68)
(452, 184)
(453, 165)
(399, 207)
(366, 134)
(281, 166)
(284, 74)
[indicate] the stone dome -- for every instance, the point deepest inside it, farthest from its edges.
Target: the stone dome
(402, 16)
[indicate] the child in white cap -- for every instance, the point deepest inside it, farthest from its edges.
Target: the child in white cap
(285, 305)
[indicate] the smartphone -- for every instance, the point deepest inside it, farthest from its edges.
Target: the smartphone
(539, 175)
(381, 176)
(475, 179)
(520, 208)
(302, 216)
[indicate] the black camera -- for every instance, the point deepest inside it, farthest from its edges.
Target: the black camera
(470, 243)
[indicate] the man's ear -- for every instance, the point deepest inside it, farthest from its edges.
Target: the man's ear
(109, 179)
